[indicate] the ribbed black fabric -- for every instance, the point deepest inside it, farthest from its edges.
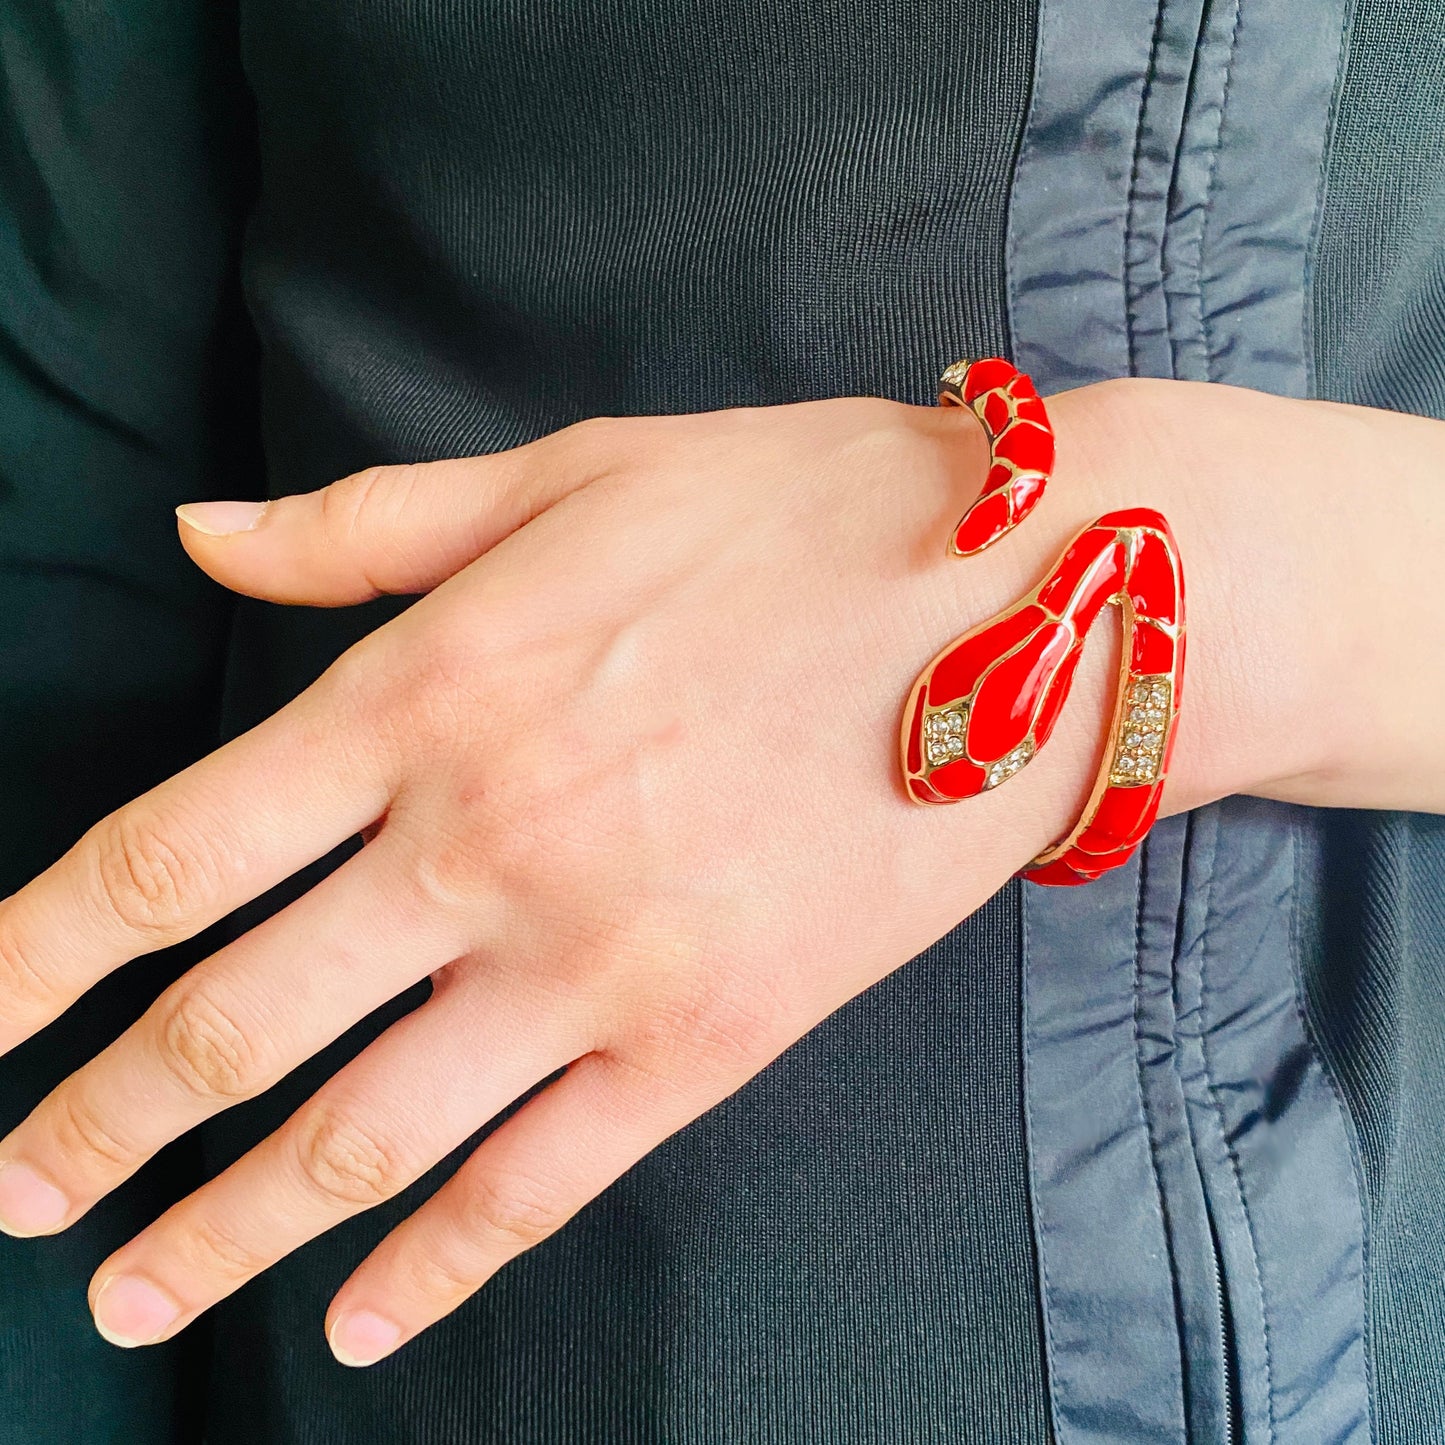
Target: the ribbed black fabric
(1377, 996)
(1379, 276)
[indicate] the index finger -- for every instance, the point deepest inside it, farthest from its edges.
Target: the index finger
(184, 854)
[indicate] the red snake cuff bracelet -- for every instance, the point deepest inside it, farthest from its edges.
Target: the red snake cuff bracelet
(988, 702)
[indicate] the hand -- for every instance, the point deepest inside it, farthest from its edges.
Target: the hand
(628, 777)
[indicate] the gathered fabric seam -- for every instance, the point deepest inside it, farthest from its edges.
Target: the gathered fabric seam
(1131, 205)
(1041, 1228)
(1147, 1119)
(1209, 369)
(1218, 1109)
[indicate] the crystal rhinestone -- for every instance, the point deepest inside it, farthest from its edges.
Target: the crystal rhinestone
(1132, 741)
(955, 745)
(936, 723)
(1125, 765)
(1152, 738)
(1141, 692)
(955, 722)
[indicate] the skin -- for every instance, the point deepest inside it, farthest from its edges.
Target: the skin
(629, 782)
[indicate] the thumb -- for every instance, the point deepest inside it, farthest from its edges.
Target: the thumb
(394, 529)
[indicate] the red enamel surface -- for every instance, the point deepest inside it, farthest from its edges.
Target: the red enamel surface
(983, 523)
(959, 779)
(996, 414)
(1133, 517)
(1097, 863)
(1028, 447)
(1028, 487)
(1027, 444)
(1056, 695)
(1151, 580)
(915, 728)
(1011, 691)
(998, 478)
(1019, 668)
(985, 375)
(1058, 873)
(1097, 548)
(1030, 408)
(1121, 819)
(956, 673)
(1152, 650)
(1100, 583)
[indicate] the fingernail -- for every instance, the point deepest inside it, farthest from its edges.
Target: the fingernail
(29, 1205)
(362, 1338)
(131, 1311)
(220, 519)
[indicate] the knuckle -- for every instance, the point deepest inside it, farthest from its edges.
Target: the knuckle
(207, 1050)
(363, 685)
(215, 1251)
(80, 1134)
(453, 879)
(28, 990)
(595, 434)
(365, 505)
(523, 1212)
(344, 1163)
(150, 877)
(443, 1278)
(350, 503)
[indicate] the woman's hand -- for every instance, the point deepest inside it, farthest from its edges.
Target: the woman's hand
(629, 780)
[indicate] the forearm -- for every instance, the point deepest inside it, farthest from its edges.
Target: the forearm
(1384, 714)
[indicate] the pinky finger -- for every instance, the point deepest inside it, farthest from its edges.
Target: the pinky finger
(523, 1183)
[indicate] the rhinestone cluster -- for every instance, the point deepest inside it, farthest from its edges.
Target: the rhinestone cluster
(955, 374)
(1007, 767)
(943, 734)
(1139, 748)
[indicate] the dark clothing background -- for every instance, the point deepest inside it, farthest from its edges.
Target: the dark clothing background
(460, 226)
